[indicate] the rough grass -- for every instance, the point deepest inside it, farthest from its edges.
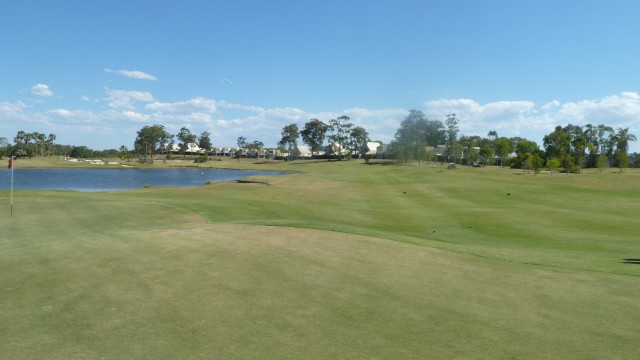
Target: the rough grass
(341, 260)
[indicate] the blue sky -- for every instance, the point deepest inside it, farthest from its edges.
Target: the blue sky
(95, 72)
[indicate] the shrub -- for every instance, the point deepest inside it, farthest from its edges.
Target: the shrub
(201, 159)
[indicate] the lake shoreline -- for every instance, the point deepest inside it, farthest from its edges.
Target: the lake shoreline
(122, 179)
(159, 163)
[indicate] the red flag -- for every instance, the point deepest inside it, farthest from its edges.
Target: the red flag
(10, 162)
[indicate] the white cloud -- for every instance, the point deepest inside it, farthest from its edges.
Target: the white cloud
(525, 119)
(61, 112)
(197, 104)
(125, 99)
(551, 105)
(134, 74)
(11, 109)
(477, 119)
(623, 109)
(41, 90)
(135, 116)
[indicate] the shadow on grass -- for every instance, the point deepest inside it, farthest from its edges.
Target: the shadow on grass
(631, 261)
(383, 163)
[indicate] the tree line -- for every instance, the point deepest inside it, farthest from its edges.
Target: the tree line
(29, 144)
(344, 139)
(569, 148)
(34, 144)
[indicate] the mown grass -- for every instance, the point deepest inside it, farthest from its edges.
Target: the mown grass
(339, 260)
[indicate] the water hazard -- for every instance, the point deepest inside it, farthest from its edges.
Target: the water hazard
(90, 180)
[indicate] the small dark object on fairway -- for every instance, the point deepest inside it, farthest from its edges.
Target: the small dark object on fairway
(404, 192)
(508, 194)
(433, 231)
(631, 261)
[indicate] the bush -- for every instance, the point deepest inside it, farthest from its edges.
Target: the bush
(201, 159)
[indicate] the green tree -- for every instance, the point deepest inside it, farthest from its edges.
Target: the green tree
(581, 143)
(313, 134)
(532, 161)
(605, 141)
(340, 129)
(204, 141)
(358, 138)
(290, 134)
(553, 164)
(20, 137)
(504, 147)
(492, 135)
(622, 138)
(81, 152)
(413, 129)
(186, 137)
(602, 162)
(124, 154)
(527, 152)
(452, 128)
(471, 154)
(419, 152)
(4, 147)
(255, 147)
(51, 139)
(591, 134)
(242, 143)
(150, 140)
(416, 129)
(558, 145)
(486, 154)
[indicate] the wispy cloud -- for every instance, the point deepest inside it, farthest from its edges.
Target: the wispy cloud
(125, 99)
(41, 90)
(192, 105)
(134, 74)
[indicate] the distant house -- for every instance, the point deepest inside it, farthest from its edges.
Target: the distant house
(374, 149)
(256, 153)
(302, 151)
(337, 150)
(192, 148)
(274, 153)
(224, 151)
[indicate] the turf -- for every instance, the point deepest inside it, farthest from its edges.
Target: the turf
(339, 260)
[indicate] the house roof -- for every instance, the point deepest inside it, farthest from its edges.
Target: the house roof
(372, 147)
(303, 150)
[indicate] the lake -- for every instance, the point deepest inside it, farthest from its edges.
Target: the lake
(90, 180)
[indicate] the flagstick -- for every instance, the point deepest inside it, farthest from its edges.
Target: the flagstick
(12, 165)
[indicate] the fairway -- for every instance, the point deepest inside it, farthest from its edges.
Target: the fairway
(338, 260)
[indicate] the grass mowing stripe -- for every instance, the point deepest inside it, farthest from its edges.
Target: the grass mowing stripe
(139, 274)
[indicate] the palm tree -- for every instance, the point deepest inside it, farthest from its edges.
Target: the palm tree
(622, 138)
(605, 135)
(41, 140)
(20, 137)
(50, 140)
(581, 143)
